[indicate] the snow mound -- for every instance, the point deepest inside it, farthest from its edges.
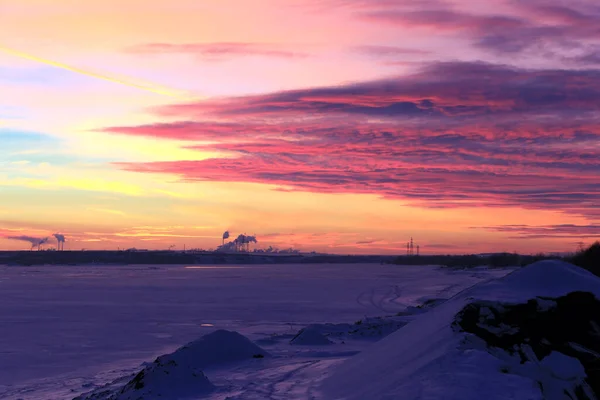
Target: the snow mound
(534, 334)
(216, 348)
(166, 379)
(180, 375)
(310, 336)
(549, 278)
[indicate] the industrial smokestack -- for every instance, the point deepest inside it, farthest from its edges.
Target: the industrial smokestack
(225, 236)
(240, 243)
(250, 239)
(61, 240)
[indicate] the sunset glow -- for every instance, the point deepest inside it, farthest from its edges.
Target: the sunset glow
(339, 126)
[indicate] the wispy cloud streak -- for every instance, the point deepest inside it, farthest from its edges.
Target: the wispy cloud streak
(564, 231)
(217, 51)
(149, 88)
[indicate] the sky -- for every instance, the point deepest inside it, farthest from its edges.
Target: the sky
(340, 126)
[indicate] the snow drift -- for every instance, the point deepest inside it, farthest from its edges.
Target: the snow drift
(534, 334)
(180, 375)
(371, 329)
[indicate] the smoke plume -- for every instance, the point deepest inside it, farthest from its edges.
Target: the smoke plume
(238, 244)
(61, 240)
(33, 240)
(243, 239)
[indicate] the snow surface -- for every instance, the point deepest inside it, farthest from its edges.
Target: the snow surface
(541, 279)
(215, 348)
(180, 375)
(427, 359)
(66, 331)
(165, 379)
(310, 336)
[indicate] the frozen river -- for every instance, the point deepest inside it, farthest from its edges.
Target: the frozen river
(61, 323)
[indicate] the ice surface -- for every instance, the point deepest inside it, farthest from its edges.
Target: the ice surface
(67, 330)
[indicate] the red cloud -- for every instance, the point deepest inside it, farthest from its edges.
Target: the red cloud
(450, 135)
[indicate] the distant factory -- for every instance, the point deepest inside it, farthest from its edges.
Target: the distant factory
(39, 242)
(240, 244)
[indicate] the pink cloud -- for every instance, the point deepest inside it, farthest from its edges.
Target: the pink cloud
(450, 135)
(217, 51)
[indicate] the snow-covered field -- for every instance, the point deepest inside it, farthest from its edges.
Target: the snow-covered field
(67, 330)
(299, 332)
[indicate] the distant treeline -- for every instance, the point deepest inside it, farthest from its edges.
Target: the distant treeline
(173, 257)
(587, 258)
(473, 260)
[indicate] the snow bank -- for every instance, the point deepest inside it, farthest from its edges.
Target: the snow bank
(371, 329)
(476, 345)
(425, 304)
(550, 278)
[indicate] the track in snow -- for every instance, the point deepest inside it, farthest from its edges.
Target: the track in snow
(383, 298)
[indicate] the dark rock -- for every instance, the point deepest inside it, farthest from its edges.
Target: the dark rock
(569, 325)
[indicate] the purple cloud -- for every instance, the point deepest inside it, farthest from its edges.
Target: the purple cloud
(564, 231)
(549, 28)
